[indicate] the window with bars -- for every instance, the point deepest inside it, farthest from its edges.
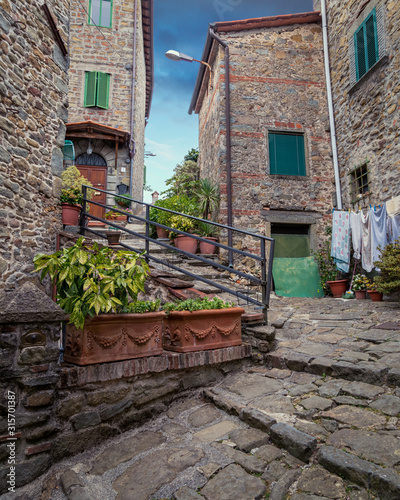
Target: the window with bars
(366, 45)
(100, 13)
(97, 87)
(286, 154)
(359, 182)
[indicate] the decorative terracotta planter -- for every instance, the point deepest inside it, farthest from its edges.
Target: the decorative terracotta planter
(113, 237)
(207, 248)
(375, 296)
(338, 287)
(360, 294)
(70, 214)
(114, 337)
(117, 217)
(162, 233)
(186, 243)
(187, 331)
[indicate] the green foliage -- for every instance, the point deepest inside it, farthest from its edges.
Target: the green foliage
(192, 154)
(388, 280)
(207, 194)
(361, 282)
(93, 280)
(197, 304)
(326, 266)
(122, 201)
(142, 306)
(186, 176)
(177, 203)
(71, 186)
(205, 229)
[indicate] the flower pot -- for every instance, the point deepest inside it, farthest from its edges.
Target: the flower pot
(114, 337)
(207, 248)
(375, 296)
(113, 237)
(360, 294)
(117, 217)
(70, 214)
(187, 331)
(338, 287)
(186, 243)
(162, 233)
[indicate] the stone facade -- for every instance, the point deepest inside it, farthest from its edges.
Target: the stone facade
(33, 109)
(110, 51)
(277, 84)
(366, 111)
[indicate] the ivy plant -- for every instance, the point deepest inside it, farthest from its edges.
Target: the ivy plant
(93, 279)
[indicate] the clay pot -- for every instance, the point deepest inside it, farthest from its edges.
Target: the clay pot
(186, 243)
(338, 287)
(207, 248)
(360, 294)
(375, 296)
(70, 214)
(187, 331)
(113, 237)
(162, 234)
(114, 337)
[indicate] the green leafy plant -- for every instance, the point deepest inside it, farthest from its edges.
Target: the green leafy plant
(142, 306)
(197, 304)
(92, 279)
(388, 281)
(181, 204)
(205, 229)
(123, 201)
(207, 195)
(360, 282)
(326, 266)
(71, 186)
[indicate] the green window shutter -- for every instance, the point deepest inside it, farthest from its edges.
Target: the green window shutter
(360, 53)
(90, 89)
(366, 45)
(372, 40)
(103, 83)
(287, 154)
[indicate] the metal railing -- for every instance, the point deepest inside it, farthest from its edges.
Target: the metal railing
(263, 279)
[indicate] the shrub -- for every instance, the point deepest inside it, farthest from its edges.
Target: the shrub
(388, 280)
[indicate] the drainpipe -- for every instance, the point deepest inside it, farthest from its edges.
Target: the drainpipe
(132, 148)
(330, 105)
(228, 136)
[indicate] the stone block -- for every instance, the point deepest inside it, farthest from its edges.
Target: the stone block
(42, 398)
(256, 418)
(114, 410)
(299, 444)
(87, 419)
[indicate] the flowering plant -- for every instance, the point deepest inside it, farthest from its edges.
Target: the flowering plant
(71, 186)
(360, 282)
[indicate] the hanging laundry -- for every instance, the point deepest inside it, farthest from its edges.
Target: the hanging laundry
(379, 230)
(340, 250)
(367, 262)
(356, 233)
(394, 228)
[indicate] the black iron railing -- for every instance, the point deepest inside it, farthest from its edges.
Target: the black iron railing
(262, 278)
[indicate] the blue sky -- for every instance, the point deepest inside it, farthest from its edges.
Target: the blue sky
(182, 25)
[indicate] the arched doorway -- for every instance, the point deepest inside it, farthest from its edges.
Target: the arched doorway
(94, 168)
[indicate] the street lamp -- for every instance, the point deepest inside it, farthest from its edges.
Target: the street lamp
(174, 55)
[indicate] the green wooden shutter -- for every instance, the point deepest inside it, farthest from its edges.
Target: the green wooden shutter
(366, 45)
(360, 53)
(287, 154)
(103, 83)
(372, 40)
(90, 89)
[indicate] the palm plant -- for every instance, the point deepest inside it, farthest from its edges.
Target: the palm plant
(207, 197)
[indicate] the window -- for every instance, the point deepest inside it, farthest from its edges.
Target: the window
(359, 182)
(100, 13)
(366, 45)
(96, 89)
(286, 154)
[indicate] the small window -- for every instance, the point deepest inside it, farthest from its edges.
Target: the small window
(96, 89)
(100, 13)
(366, 45)
(286, 154)
(359, 182)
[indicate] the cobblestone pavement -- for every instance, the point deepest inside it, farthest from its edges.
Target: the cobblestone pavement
(319, 421)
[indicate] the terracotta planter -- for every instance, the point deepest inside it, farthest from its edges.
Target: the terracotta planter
(375, 296)
(201, 330)
(113, 237)
(338, 287)
(162, 233)
(70, 214)
(360, 294)
(117, 217)
(207, 248)
(114, 337)
(186, 243)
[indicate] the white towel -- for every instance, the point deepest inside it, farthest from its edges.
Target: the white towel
(367, 262)
(356, 233)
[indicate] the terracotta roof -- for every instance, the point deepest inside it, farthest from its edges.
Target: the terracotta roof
(84, 129)
(147, 25)
(242, 25)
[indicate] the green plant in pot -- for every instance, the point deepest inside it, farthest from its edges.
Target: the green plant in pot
(210, 232)
(328, 271)
(207, 195)
(71, 197)
(123, 201)
(97, 287)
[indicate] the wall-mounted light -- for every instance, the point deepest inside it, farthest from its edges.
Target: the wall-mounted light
(89, 150)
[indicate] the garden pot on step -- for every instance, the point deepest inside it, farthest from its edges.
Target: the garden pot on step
(186, 243)
(208, 248)
(375, 296)
(360, 294)
(70, 214)
(338, 287)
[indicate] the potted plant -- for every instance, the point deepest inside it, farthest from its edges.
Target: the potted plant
(208, 231)
(201, 324)
(98, 288)
(114, 215)
(71, 195)
(123, 201)
(373, 292)
(207, 195)
(360, 283)
(332, 280)
(113, 236)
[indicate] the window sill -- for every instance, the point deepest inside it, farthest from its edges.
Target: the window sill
(289, 177)
(383, 60)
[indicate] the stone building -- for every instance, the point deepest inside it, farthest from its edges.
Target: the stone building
(364, 52)
(279, 154)
(33, 114)
(111, 84)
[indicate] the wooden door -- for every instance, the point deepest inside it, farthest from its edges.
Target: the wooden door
(98, 177)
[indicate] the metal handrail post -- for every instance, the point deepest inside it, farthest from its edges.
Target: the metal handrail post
(147, 244)
(264, 281)
(83, 211)
(270, 262)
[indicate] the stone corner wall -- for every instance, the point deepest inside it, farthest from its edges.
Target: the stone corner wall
(33, 109)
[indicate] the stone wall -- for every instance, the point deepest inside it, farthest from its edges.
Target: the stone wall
(61, 409)
(277, 84)
(366, 114)
(33, 109)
